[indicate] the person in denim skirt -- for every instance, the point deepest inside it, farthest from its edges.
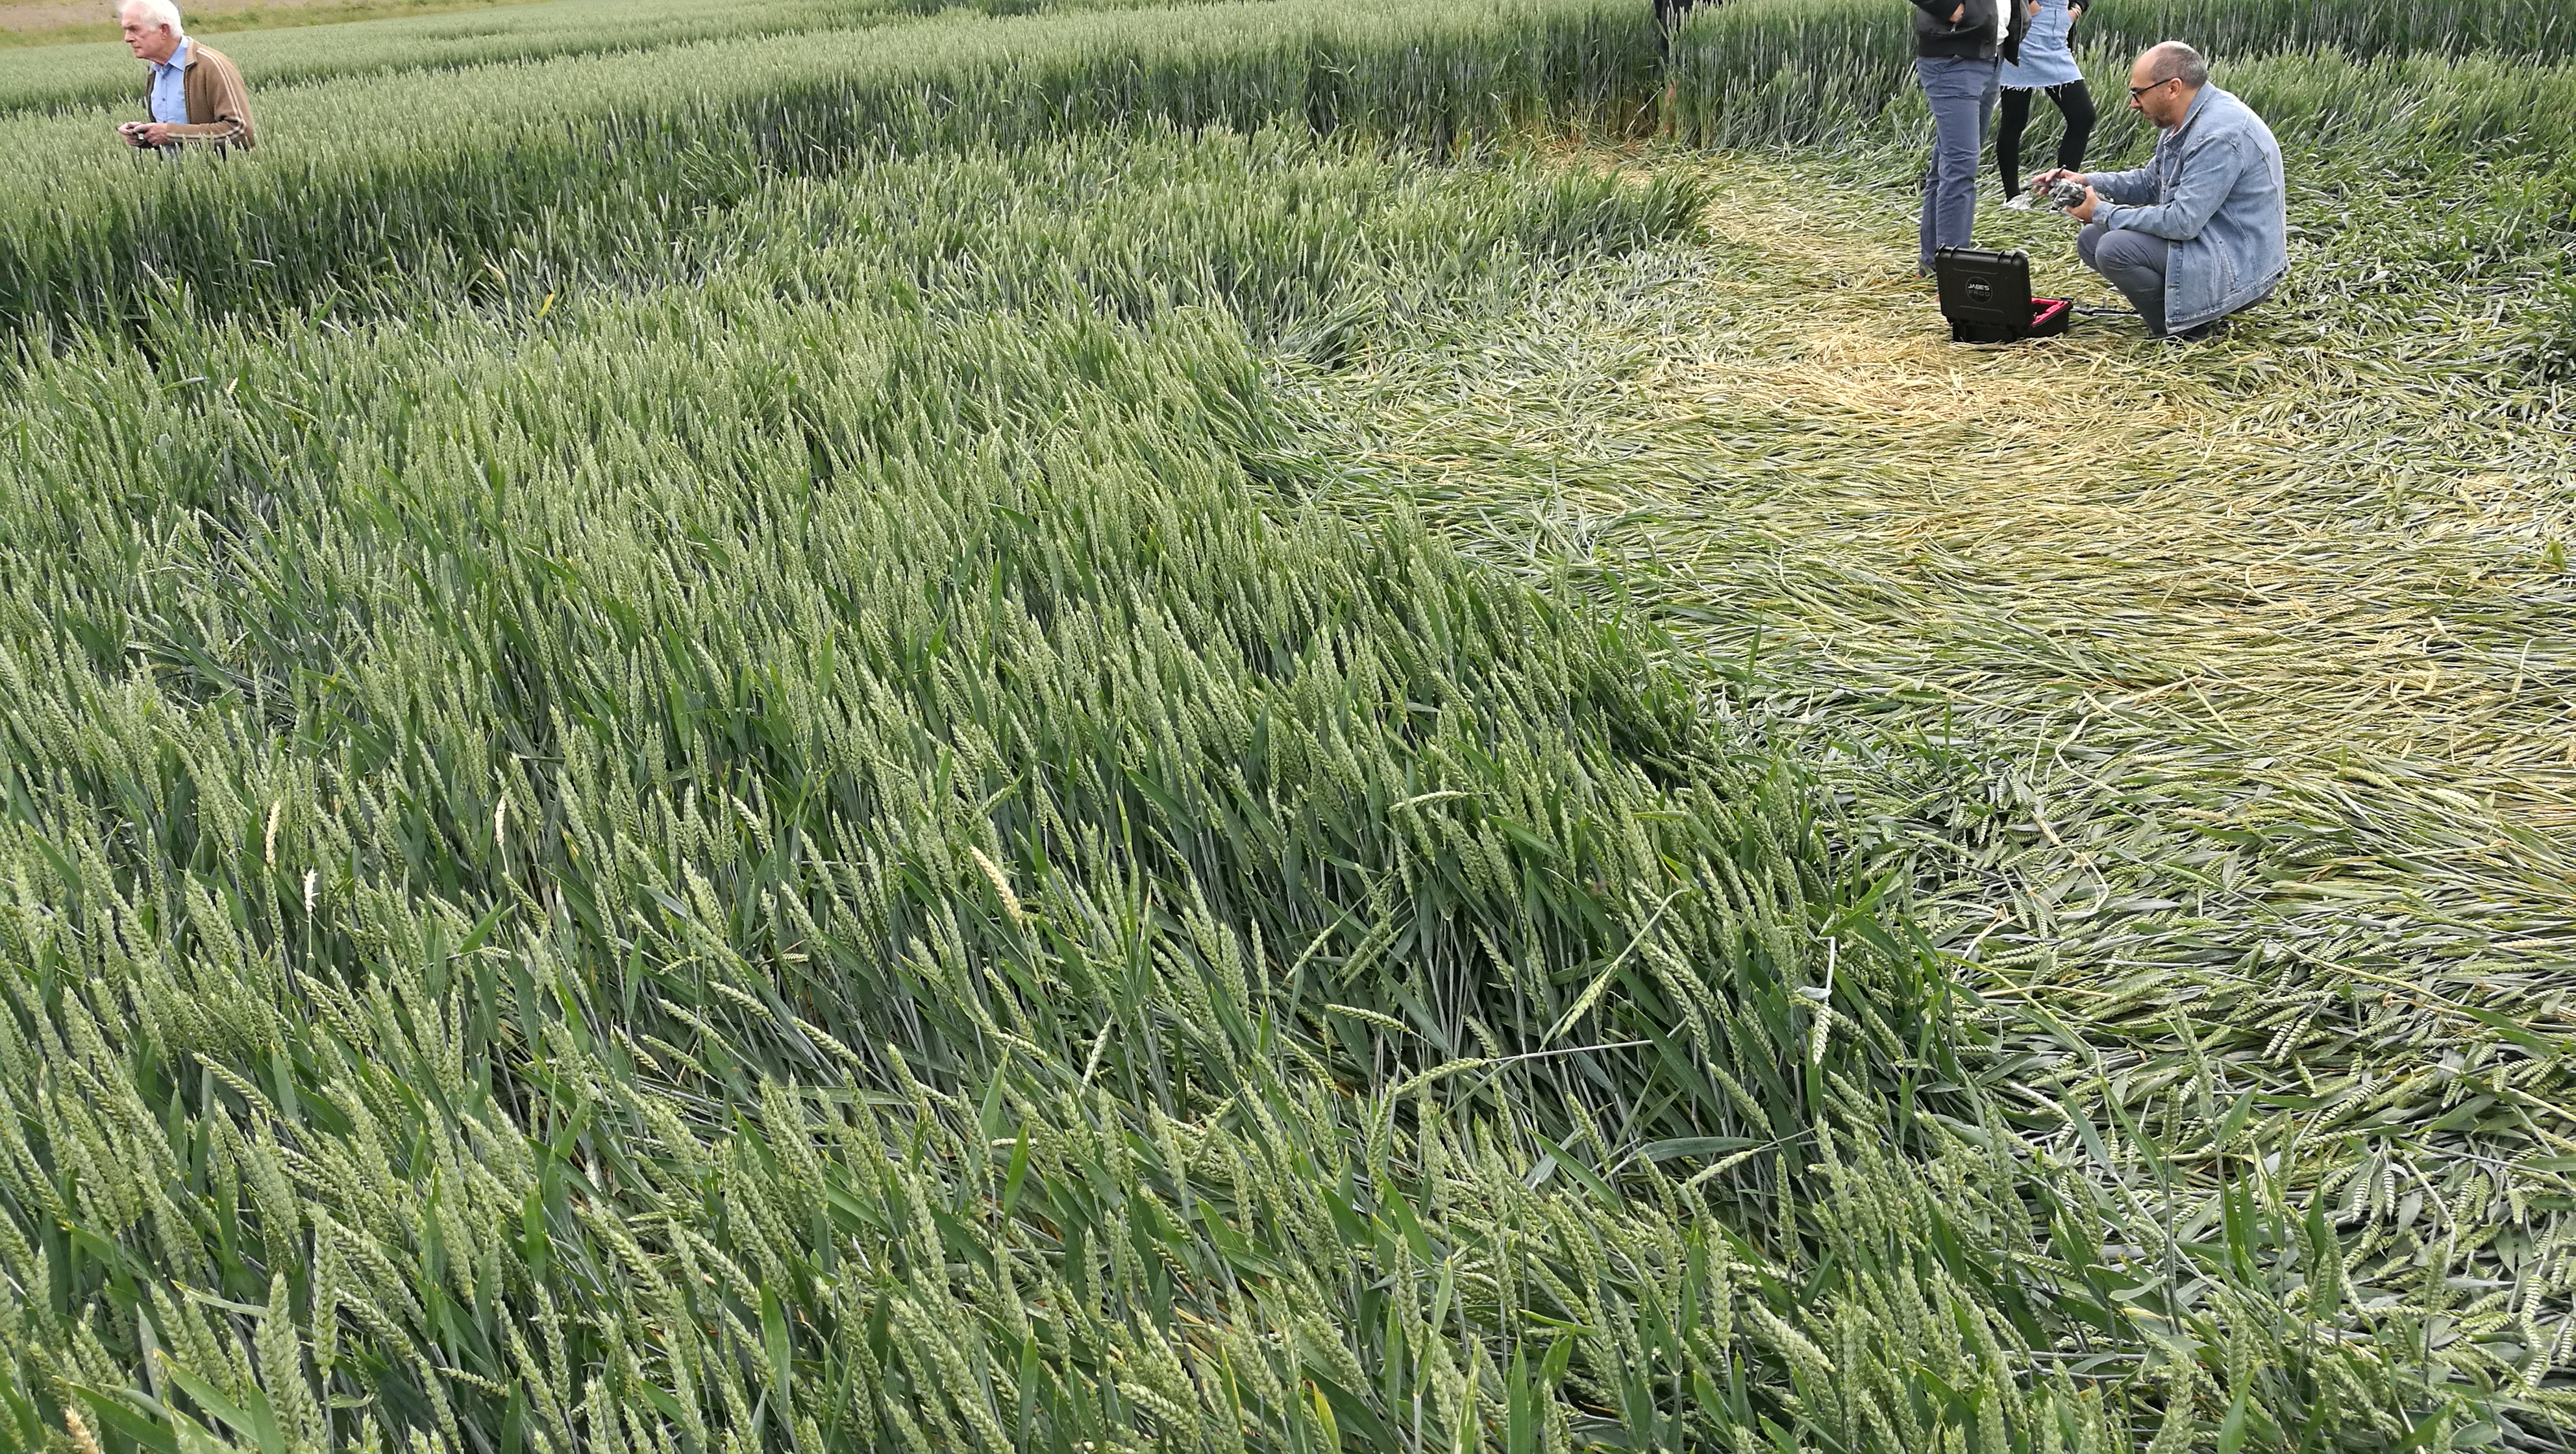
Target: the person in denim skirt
(1959, 50)
(2047, 64)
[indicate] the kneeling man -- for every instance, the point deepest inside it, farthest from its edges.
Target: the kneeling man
(2202, 230)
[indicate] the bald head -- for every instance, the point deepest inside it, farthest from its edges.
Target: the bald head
(2174, 61)
(2165, 81)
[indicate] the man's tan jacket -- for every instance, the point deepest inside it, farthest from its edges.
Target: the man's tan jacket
(218, 102)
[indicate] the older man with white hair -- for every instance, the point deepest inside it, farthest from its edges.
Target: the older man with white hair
(196, 96)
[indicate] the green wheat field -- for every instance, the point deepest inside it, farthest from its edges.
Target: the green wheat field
(1291, 725)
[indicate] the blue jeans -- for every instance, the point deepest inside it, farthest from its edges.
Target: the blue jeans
(1962, 93)
(2134, 263)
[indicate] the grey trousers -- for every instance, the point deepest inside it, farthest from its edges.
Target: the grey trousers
(1962, 93)
(2134, 263)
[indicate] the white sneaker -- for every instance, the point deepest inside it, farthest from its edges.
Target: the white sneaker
(2020, 203)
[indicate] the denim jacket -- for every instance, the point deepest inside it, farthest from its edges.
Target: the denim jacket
(2214, 191)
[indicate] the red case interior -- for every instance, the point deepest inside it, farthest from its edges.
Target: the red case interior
(2042, 310)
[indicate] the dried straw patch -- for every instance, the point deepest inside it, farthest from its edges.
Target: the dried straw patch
(1865, 338)
(2097, 487)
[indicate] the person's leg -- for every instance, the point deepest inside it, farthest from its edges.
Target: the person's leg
(2075, 103)
(2134, 263)
(2010, 118)
(1957, 90)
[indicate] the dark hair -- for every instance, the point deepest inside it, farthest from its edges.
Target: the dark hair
(2174, 60)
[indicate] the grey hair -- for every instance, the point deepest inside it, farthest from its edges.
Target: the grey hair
(155, 13)
(2175, 61)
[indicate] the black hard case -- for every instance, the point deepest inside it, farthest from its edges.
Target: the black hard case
(1986, 297)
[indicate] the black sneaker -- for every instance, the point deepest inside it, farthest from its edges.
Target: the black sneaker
(2214, 328)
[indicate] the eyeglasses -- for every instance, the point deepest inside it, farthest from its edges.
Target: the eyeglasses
(2137, 91)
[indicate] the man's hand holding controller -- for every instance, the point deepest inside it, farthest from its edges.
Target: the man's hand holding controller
(2067, 191)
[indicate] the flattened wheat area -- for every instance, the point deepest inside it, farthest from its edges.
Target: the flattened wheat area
(1294, 725)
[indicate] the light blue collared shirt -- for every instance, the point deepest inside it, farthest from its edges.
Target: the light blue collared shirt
(170, 87)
